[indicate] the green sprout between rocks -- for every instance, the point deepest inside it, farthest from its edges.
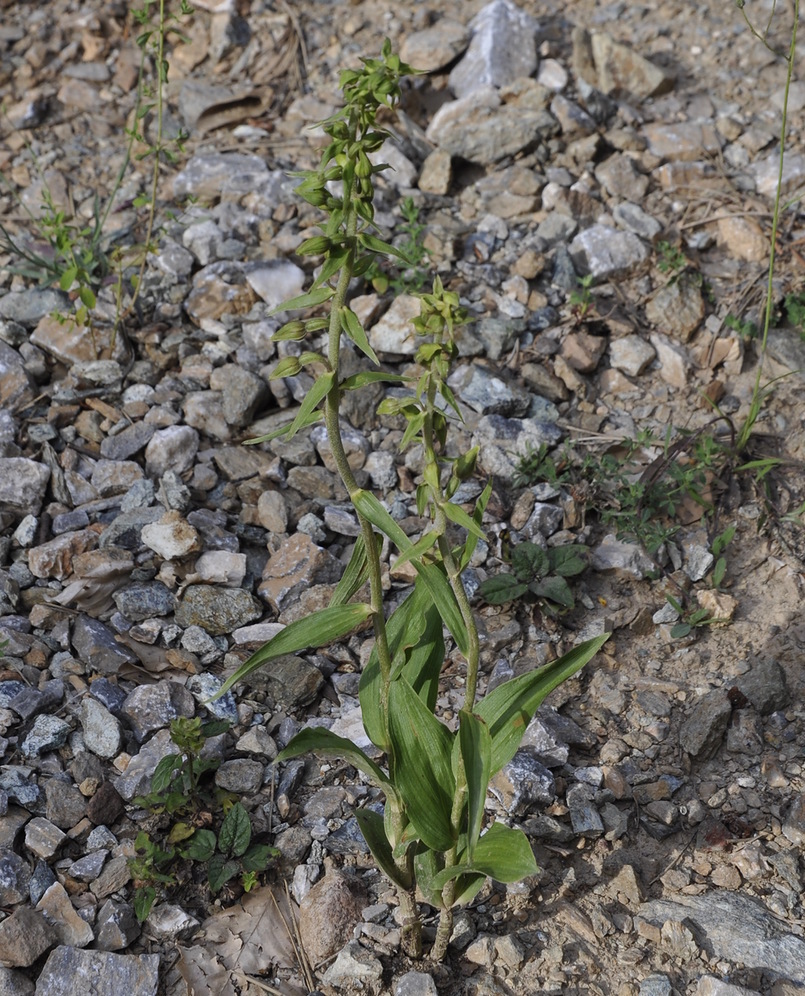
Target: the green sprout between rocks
(433, 839)
(77, 257)
(187, 805)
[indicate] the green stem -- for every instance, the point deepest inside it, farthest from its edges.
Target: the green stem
(757, 392)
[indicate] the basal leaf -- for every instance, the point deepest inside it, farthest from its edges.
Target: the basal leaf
(529, 561)
(568, 561)
(422, 772)
(236, 831)
(164, 772)
(201, 846)
(315, 630)
(476, 755)
(502, 588)
(258, 857)
(317, 740)
(427, 865)
(503, 854)
(220, 870)
(555, 589)
(371, 824)
(509, 708)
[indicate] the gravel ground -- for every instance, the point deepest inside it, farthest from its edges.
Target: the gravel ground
(146, 553)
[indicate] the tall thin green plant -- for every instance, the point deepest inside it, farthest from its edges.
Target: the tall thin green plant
(433, 837)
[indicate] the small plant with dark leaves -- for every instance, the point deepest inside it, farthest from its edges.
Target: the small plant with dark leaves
(434, 839)
(538, 575)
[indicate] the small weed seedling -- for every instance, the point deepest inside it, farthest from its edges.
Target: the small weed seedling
(581, 299)
(538, 575)
(179, 791)
(794, 308)
(720, 544)
(688, 620)
(745, 328)
(671, 260)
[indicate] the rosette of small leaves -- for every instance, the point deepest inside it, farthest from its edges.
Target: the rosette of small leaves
(538, 575)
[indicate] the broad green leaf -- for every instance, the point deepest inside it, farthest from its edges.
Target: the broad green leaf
(503, 854)
(501, 589)
(374, 834)
(315, 297)
(372, 509)
(236, 831)
(87, 297)
(476, 756)
(355, 575)
(418, 550)
(529, 561)
(509, 708)
(317, 740)
(719, 571)
(201, 846)
(68, 277)
(422, 771)
(144, 898)
(315, 630)
(426, 658)
(568, 561)
(555, 589)
(180, 831)
(356, 332)
(331, 265)
(258, 856)
(219, 871)
(320, 388)
(427, 865)
(467, 888)
(455, 513)
(164, 772)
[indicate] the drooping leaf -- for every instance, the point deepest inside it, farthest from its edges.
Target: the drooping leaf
(568, 561)
(320, 388)
(220, 870)
(201, 846)
(529, 561)
(371, 824)
(476, 755)
(355, 575)
(457, 514)
(423, 772)
(258, 857)
(236, 831)
(318, 740)
(312, 419)
(378, 245)
(427, 865)
(316, 630)
(315, 297)
(555, 589)
(503, 854)
(356, 332)
(477, 516)
(509, 708)
(502, 588)
(371, 377)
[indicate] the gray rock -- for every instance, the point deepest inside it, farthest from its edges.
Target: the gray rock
(204, 410)
(174, 260)
(88, 868)
(70, 970)
(634, 219)
(30, 306)
(291, 681)
(167, 922)
(96, 646)
(631, 354)
(211, 173)
(734, 927)
(136, 779)
(172, 537)
(240, 775)
(14, 983)
(154, 707)
(698, 561)
(101, 729)
(415, 984)
(276, 281)
(503, 49)
(767, 172)
(217, 610)
(15, 877)
(656, 985)
(765, 686)
(43, 838)
(173, 448)
(114, 877)
(125, 531)
(115, 477)
(144, 600)
(24, 937)
(18, 784)
(356, 446)
(128, 442)
(117, 926)
(504, 441)
(203, 686)
(64, 804)
(487, 393)
(435, 47)
(353, 963)
(242, 393)
(48, 733)
(22, 484)
(584, 816)
(481, 129)
(613, 554)
(607, 252)
(393, 332)
(709, 985)
(239, 462)
(522, 784)
(16, 389)
(296, 566)
(624, 72)
(703, 731)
